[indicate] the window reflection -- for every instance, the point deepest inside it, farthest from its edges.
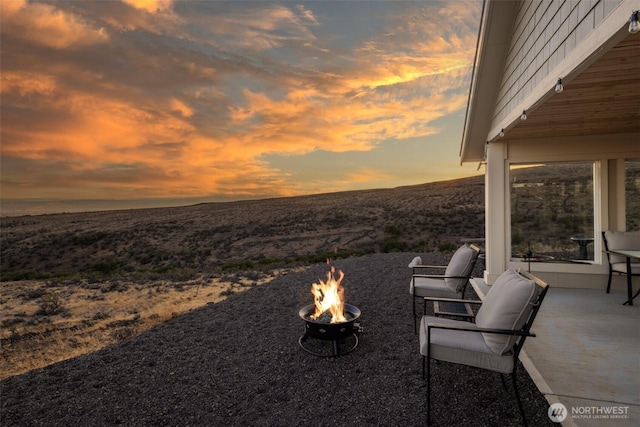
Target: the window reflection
(552, 211)
(632, 194)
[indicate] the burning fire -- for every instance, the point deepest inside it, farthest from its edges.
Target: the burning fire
(329, 298)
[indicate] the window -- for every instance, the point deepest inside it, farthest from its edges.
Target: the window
(552, 211)
(632, 194)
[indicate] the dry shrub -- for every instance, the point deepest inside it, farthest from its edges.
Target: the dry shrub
(50, 304)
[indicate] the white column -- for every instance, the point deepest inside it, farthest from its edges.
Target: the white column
(616, 194)
(496, 224)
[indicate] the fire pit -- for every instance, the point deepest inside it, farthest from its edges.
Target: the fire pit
(330, 319)
(345, 333)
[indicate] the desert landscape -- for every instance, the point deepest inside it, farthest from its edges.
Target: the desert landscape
(190, 316)
(74, 283)
(44, 322)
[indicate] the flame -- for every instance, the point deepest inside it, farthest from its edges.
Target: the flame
(329, 297)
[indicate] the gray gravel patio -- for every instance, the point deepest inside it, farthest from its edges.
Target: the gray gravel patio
(238, 363)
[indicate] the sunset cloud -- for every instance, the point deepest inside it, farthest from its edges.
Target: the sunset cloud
(366, 175)
(150, 5)
(139, 98)
(44, 25)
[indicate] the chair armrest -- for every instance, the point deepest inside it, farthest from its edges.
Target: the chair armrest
(485, 330)
(464, 301)
(421, 266)
(441, 276)
(429, 266)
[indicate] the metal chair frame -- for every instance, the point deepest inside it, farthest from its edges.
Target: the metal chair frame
(522, 333)
(438, 276)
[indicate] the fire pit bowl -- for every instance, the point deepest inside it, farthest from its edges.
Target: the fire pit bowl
(335, 332)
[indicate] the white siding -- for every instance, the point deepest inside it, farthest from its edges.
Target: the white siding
(544, 33)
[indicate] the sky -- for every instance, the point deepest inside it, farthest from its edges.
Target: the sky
(225, 100)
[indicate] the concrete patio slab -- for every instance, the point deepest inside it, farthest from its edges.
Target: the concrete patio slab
(587, 356)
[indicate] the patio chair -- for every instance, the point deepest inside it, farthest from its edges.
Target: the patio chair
(503, 323)
(620, 240)
(451, 284)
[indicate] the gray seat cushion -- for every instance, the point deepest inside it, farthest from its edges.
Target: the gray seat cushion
(431, 287)
(507, 306)
(464, 347)
(460, 266)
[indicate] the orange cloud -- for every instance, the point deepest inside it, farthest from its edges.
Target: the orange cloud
(181, 107)
(157, 112)
(26, 84)
(45, 25)
(150, 5)
(262, 26)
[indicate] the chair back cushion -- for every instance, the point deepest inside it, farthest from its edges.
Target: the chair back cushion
(507, 306)
(460, 266)
(621, 240)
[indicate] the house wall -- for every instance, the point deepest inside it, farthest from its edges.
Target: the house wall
(544, 35)
(608, 152)
(550, 40)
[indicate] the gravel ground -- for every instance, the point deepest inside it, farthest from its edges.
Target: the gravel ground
(238, 363)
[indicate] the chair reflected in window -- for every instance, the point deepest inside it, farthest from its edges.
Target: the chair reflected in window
(620, 240)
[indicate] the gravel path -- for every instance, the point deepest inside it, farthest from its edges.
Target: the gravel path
(238, 363)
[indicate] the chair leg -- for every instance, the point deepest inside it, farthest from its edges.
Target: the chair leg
(504, 383)
(424, 312)
(515, 389)
(428, 363)
(609, 282)
(415, 323)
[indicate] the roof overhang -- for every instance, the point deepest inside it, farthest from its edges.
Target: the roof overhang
(603, 99)
(601, 96)
(491, 53)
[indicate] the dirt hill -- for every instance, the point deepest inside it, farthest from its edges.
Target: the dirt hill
(271, 232)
